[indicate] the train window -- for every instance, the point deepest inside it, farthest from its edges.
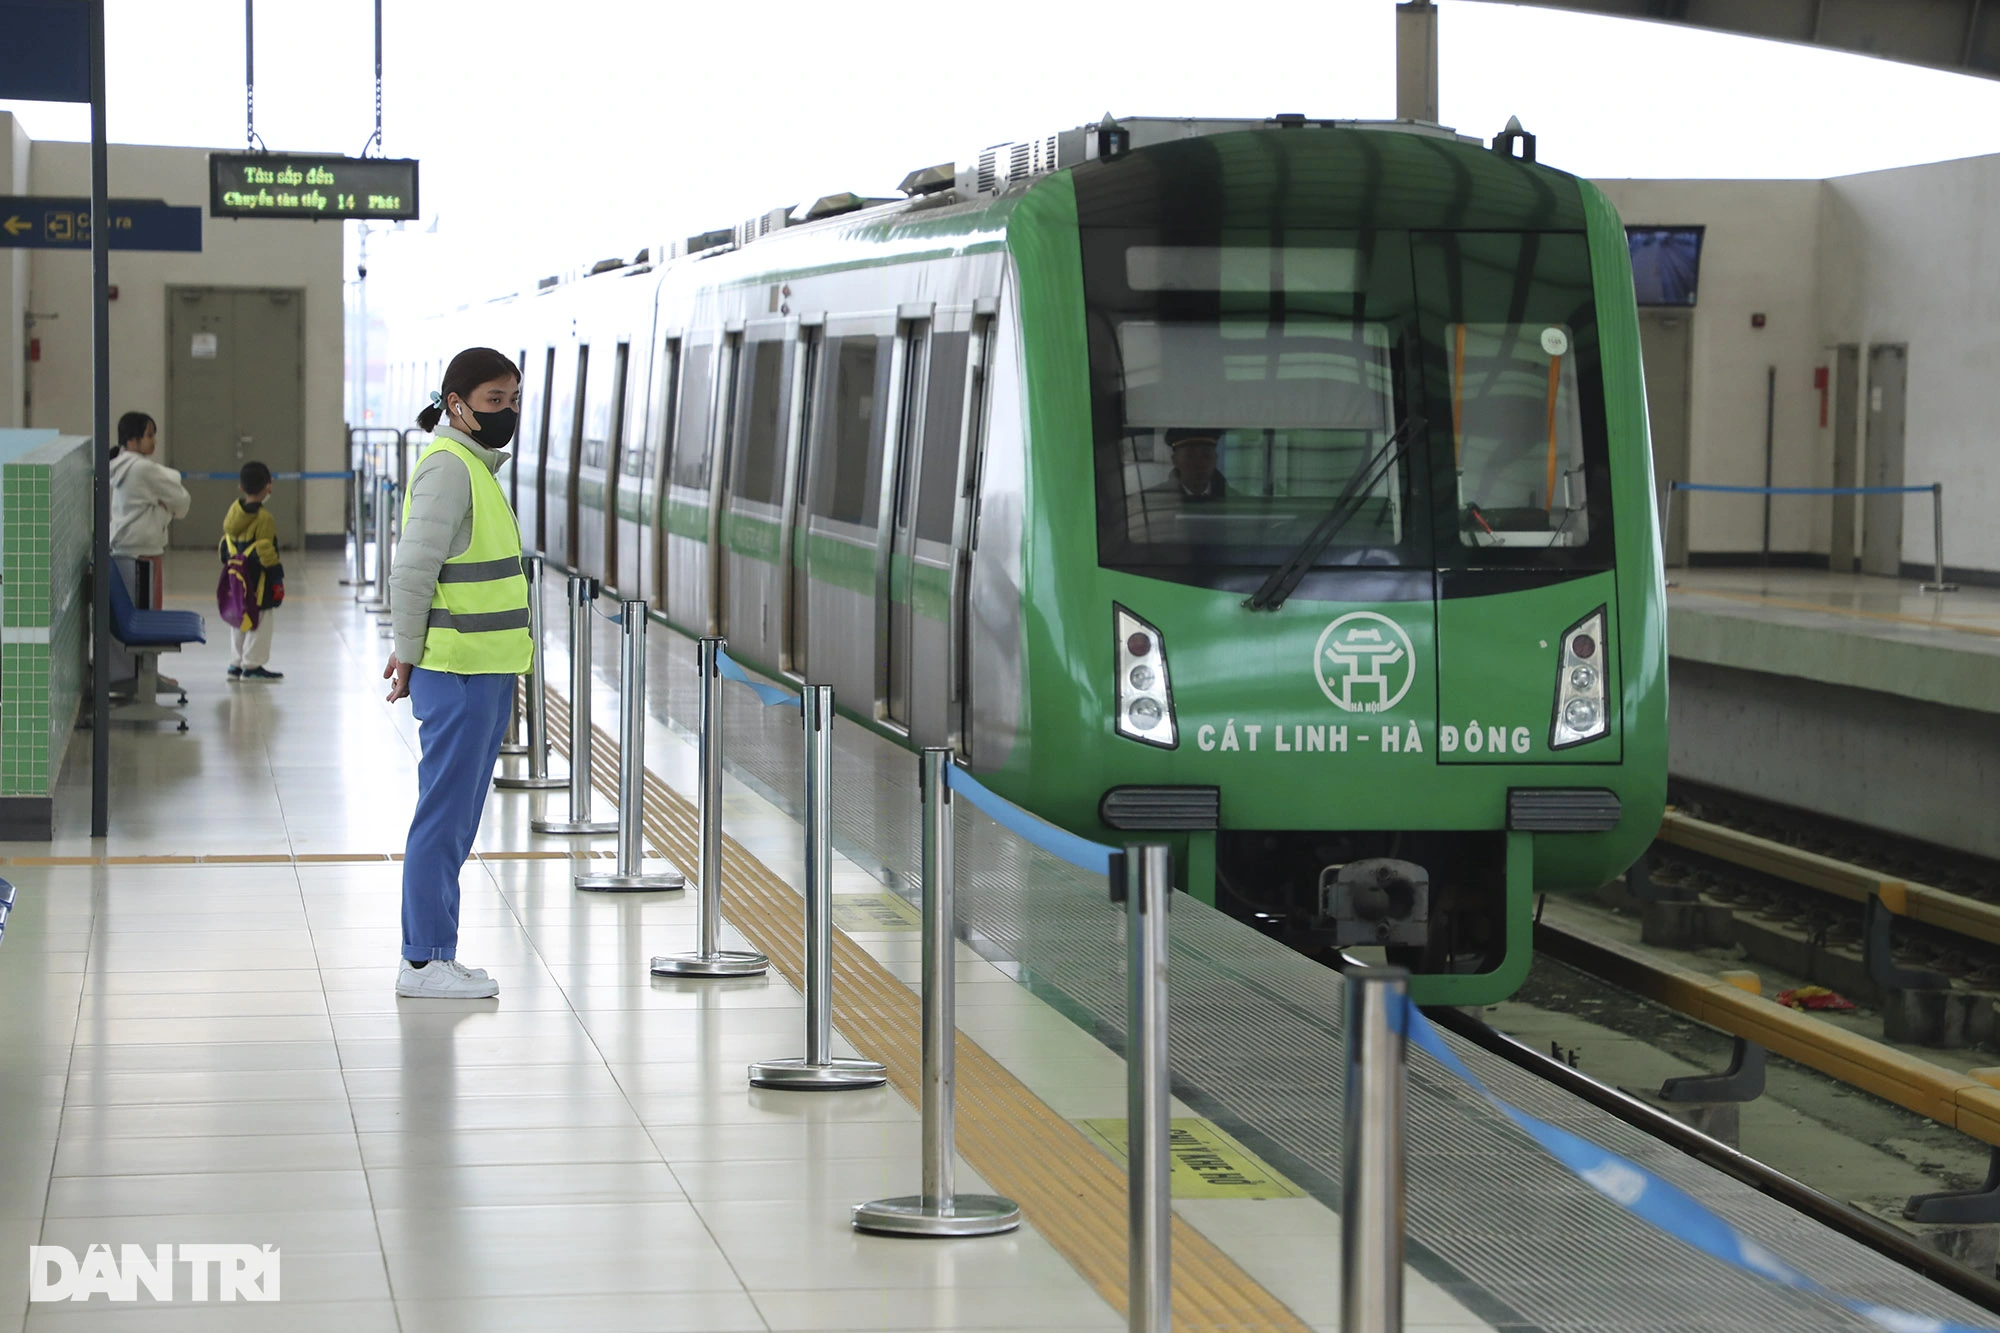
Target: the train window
(1510, 339)
(909, 419)
(1243, 384)
(656, 440)
(566, 420)
(760, 460)
(691, 440)
(848, 482)
(944, 422)
(604, 411)
(1517, 437)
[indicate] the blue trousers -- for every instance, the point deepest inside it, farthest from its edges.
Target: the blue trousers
(461, 721)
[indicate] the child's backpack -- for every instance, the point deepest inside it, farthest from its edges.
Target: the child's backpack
(235, 591)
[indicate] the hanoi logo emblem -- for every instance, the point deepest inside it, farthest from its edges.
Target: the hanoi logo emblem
(1364, 662)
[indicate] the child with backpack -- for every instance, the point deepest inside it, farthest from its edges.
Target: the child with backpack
(253, 580)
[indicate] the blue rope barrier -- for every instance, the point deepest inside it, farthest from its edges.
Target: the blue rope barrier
(1799, 490)
(1082, 853)
(1652, 1199)
(275, 476)
(772, 695)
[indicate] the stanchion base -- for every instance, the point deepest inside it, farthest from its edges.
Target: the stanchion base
(513, 747)
(375, 608)
(357, 583)
(572, 827)
(647, 881)
(508, 783)
(960, 1215)
(1940, 587)
(833, 1076)
(722, 963)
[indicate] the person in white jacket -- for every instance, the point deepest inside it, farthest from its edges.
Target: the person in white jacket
(145, 497)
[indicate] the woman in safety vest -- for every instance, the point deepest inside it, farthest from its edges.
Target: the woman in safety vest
(459, 611)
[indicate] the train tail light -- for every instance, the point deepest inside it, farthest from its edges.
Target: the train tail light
(1145, 699)
(1581, 711)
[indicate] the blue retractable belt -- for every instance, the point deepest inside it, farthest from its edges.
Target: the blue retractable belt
(1082, 853)
(1668, 1207)
(772, 695)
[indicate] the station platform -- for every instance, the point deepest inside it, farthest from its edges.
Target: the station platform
(199, 1042)
(1861, 698)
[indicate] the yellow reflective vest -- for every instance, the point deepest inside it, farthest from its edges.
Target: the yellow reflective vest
(479, 612)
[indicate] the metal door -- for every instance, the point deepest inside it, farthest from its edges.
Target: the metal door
(1845, 415)
(1663, 349)
(1882, 515)
(235, 393)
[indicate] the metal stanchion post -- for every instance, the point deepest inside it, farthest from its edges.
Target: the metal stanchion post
(1937, 583)
(631, 876)
(1371, 1151)
(818, 1070)
(538, 778)
(939, 1210)
(355, 571)
(364, 479)
(514, 744)
(1148, 882)
(582, 592)
(384, 501)
(709, 959)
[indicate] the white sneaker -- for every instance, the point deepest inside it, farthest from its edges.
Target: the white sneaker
(444, 979)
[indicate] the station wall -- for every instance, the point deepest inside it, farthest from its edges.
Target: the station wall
(55, 391)
(1897, 256)
(1908, 256)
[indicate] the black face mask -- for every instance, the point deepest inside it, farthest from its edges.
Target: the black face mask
(496, 429)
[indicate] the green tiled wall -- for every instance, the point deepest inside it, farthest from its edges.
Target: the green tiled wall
(44, 614)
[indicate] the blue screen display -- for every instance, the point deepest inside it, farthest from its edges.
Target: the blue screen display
(1666, 263)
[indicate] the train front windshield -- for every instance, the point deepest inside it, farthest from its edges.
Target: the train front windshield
(1241, 386)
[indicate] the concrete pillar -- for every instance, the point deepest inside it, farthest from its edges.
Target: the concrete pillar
(1417, 61)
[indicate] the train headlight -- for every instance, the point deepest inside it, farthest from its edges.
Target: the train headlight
(1145, 699)
(1581, 713)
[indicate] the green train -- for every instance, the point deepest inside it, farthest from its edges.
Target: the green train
(1277, 488)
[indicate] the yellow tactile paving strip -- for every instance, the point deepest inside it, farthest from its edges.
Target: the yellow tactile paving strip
(1074, 1195)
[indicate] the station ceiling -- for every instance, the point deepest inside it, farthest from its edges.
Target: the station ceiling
(1958, 35)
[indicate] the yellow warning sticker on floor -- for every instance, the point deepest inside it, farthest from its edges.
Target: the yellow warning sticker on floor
(1204, 1162)
(865, 912)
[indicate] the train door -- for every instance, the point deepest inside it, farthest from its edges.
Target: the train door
(685, 513)
(234, 367)
(801, 436)
(1882, 515)
(898, 522)
(596, 461)
(723, 433)
(655, 472)
(520, 437)
(962, 529)
(842, 523)
(1839, 401)
(926, 516)
(754, 499)
(1663, 349)
(532, 469)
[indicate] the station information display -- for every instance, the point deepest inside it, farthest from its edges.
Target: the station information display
(305, 185)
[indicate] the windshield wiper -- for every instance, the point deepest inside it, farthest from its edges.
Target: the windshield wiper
(1285, 578)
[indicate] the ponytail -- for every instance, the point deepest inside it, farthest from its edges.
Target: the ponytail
(468, 370)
